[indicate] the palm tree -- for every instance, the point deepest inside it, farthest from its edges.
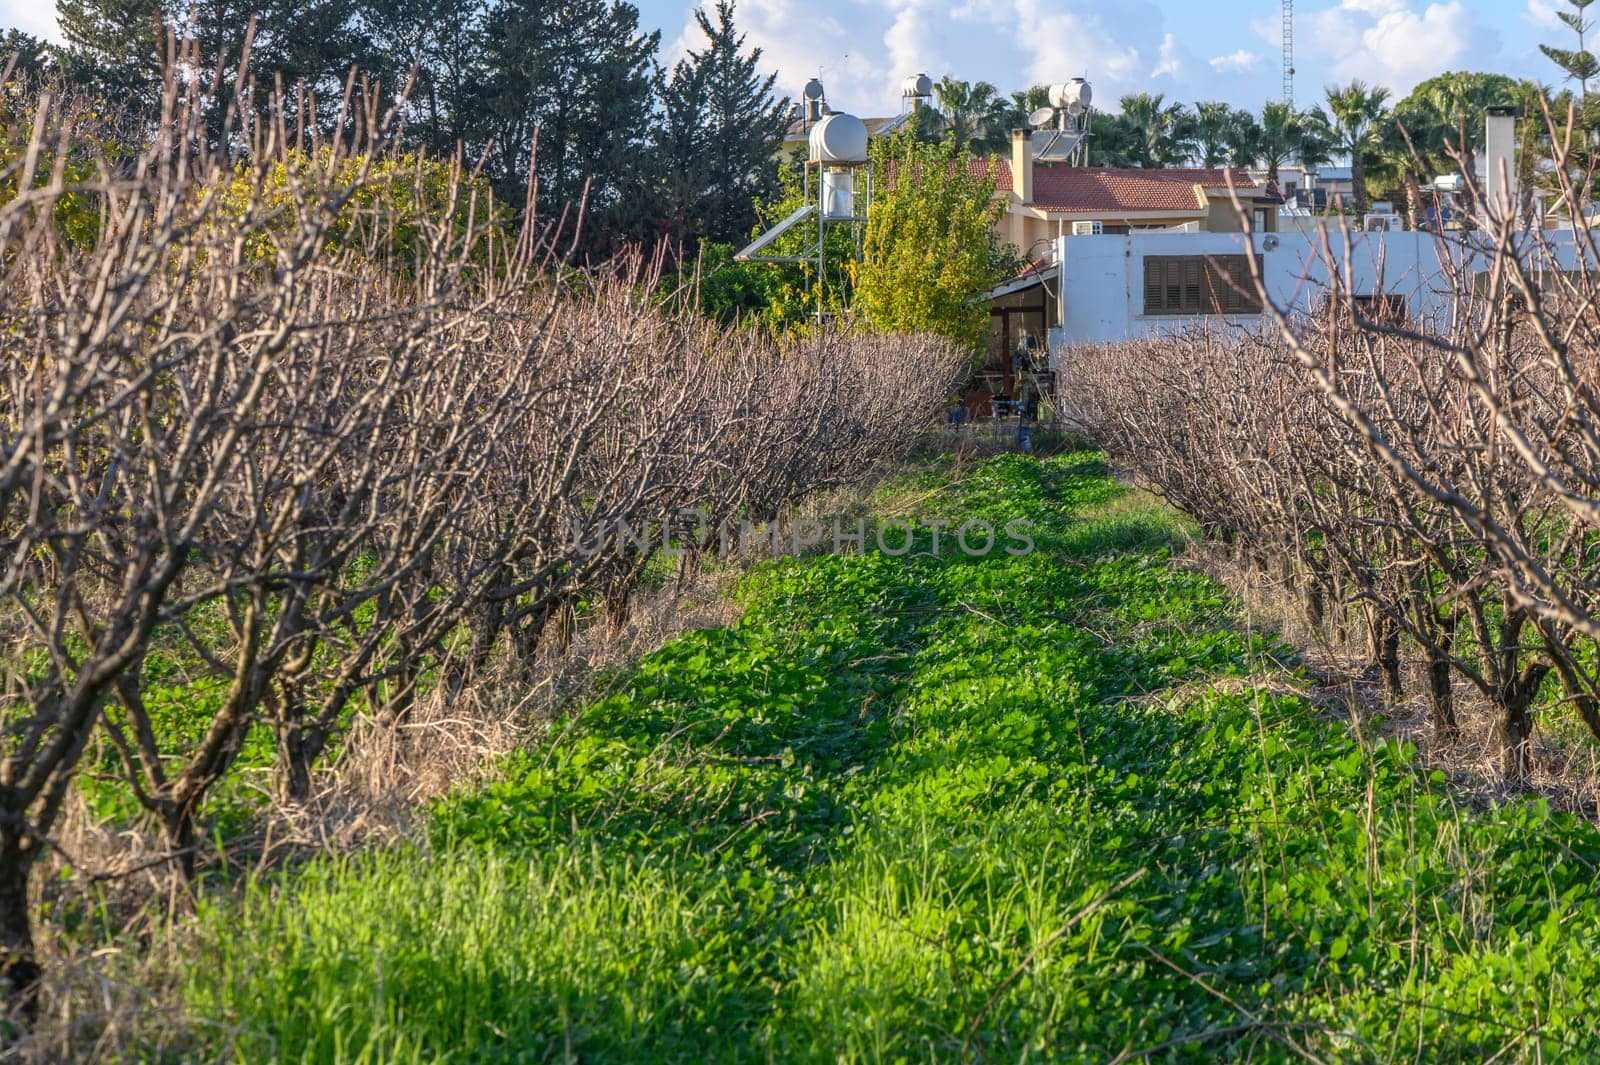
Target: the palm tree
(976, 114)
(1161, 131)
(1281, 133)
(1358, 112)
(1244, 138)
(1315, 143)
(1406, 153)
(1213, 127)
(1024, 104)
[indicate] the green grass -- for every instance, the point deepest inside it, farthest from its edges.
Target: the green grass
(1003, 808)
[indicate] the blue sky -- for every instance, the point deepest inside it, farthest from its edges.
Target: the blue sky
(1188, 49)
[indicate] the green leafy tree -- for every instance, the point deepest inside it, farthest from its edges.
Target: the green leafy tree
(796, 296)
(1579, 64)
(1439, 127)
(1358, 114)
(117, 49)
(720, 288)
(931, 250)
(718, 134)
(443, 41)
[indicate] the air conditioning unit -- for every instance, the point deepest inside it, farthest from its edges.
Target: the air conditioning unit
(1383, 223)
(1087, 229)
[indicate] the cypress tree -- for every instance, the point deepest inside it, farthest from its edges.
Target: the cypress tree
(719, 135)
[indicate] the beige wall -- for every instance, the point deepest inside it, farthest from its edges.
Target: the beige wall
(1024, 229)
(1224, 219)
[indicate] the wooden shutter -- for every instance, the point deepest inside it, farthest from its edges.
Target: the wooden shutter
(1155, 280)
(1193, 271)
(1198, 284)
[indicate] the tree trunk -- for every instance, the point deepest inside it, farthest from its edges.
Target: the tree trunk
(1441, 701)
(1358, 184)
(1383, 650)
(1389, 660)
(1314, 604)
(177, 832)
(1413, 201)
(297, 749)
(1516, 744)
(1517, 693)
(19, 968)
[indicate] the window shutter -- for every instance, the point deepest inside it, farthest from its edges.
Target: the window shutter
(1194, 301)
(1198, 284)
(1154, 285)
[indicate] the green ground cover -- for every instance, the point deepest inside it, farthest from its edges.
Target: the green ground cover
(1041, 807)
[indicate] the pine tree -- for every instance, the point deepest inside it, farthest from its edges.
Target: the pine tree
(27, 55)
(309, 45)
(576, 75)
(114, 49)
(1580, 64)
(444, 40)
(719, 134)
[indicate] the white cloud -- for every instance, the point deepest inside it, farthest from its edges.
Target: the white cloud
(800, 41)
(911, 42)
(1012, 43)
(37, 17)
(1542, 13)
(865, 48)
(1169, 61)
(1396, 43)
(1243, 59)
(1100, 39)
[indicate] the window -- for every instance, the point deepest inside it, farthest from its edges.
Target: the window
(1199, 284)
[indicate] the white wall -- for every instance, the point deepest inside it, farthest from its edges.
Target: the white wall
(1104, 276)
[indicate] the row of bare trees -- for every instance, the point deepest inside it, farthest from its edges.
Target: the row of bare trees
(243, 435)
(1430, 484)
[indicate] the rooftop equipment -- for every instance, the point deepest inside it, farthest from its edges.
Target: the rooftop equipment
(815, 100)
(837, 146)
(839, 140)
(1072, 109)
(915, 90)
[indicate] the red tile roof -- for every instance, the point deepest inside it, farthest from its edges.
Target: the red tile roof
(1103, 190)
(999, 169)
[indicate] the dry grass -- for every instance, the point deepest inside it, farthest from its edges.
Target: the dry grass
(104, 992)
(1566, 763)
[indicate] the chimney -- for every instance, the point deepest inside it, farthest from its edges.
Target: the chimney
(1022, 164)
(1500, 159)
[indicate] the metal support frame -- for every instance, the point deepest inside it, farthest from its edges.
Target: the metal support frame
(1288, 53)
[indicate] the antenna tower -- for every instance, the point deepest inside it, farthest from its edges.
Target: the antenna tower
(1288, 53)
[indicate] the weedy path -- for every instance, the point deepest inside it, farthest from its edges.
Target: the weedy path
(943, 808)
